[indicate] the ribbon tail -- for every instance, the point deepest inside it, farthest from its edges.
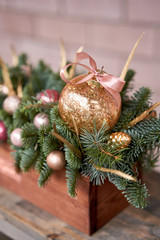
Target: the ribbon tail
(113, 92)
(112, 82)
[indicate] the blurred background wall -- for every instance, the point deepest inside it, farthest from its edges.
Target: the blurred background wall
(106, 28)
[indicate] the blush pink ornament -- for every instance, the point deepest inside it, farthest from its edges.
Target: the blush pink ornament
(15, 137)
(11, 103)
(41, 119)
(56, 160)
(26, 69)
(48, 96)
(3, 131)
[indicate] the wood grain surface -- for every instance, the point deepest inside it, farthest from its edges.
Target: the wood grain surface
(20, 218)
(90, 210)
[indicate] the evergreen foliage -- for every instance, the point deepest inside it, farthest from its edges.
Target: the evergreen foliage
(72, 175)
(128, 86)
(29, 135)
(38, 79)
(97, 152)
(135, 105)
(45, 174)
(28, 158)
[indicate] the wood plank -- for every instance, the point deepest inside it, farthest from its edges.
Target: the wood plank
(85, 212)
(54, 197)
(132, 223)
(92, 208)
(110, 202)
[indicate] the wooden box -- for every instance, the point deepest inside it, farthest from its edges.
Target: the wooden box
(93, 207)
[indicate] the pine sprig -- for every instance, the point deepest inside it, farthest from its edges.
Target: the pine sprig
(45, 175)
(136, 194)
(145, 135)
(73, 161)
(29, 106)
(17, 159)
(97, 177)
(29, 135)
(19, 119)
(28, 158)
(61, 126)
(72, 178)
(128, 81)
(149, 130)
(39, 162)
(49, 144)
(138, 103)
(6, 118)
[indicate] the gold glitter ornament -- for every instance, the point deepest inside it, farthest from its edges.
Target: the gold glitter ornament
(88, 102)
(119, 139)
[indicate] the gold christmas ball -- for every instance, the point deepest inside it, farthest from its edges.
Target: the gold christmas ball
(88, 102)
(56, 160)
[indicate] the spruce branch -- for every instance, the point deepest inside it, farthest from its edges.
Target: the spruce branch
(28, 158)
(45, 174)
(6, 118)
(49, 144)
(39, 162)
(140, 100)
(143, 115)
(74, 149)
(138, 103)
(19, 118)
(17, 157)
(29, 135)
(61, 126)
(136, 194)
(128, 80)
(72, 160)
(72, 178)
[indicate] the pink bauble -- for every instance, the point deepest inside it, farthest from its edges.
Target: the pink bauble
(3, 132)
(48, 96)
(4, 89)
(56, 160)
(41, 119)
(15, 137)
(26, 69)
(11, 103)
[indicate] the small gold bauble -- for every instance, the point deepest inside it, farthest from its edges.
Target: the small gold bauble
(56, 160)
(88, 102)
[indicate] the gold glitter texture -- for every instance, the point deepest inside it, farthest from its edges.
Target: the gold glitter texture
(121, 139)
(88, 102)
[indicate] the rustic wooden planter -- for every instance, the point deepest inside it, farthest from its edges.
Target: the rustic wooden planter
(93, 207)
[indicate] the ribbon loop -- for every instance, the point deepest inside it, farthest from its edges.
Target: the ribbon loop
(110, 82)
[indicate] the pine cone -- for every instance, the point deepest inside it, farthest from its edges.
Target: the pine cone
(119, 140)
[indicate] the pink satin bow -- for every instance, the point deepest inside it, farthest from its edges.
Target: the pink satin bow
(110, 82)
